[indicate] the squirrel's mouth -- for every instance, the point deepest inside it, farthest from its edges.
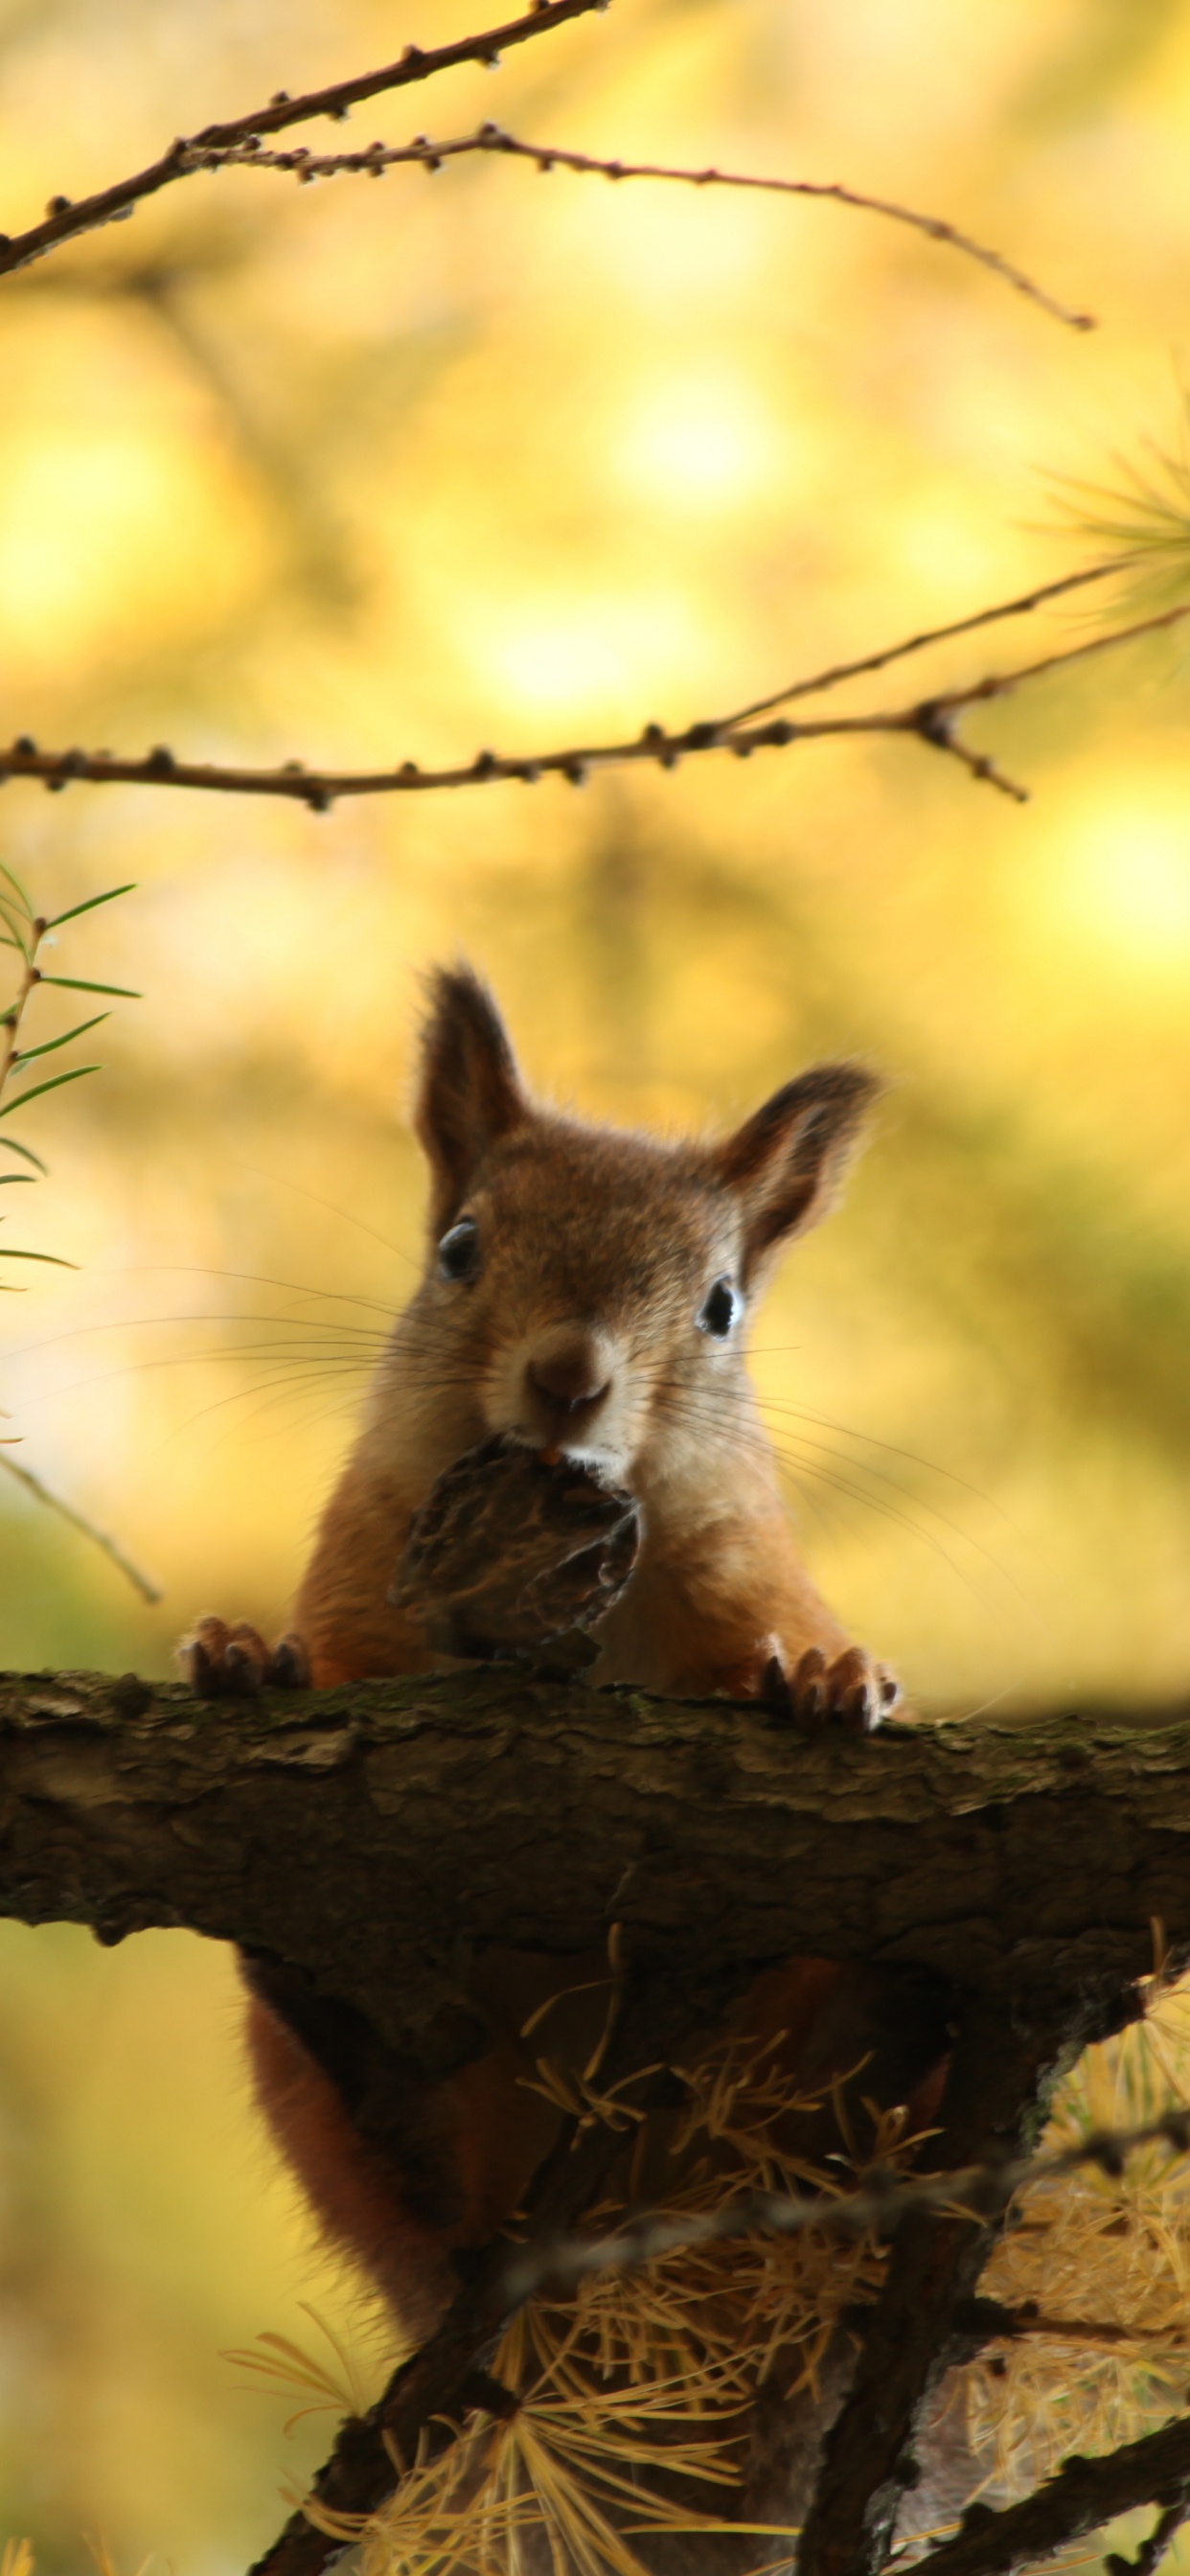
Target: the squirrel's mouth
(592, 1445)
(580, 1444)
(560, 1392)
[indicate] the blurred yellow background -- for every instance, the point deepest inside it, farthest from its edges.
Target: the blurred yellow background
(363, 472)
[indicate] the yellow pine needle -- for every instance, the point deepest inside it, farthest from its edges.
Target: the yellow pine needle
(573, 2094)
(346, 2527)
(1112, 2251)
(103, 2557)
(282, 2364)
(16, 2558)
(563, 1996)
(643, 2377)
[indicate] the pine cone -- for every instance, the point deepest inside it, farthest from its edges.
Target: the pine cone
(508, 1551)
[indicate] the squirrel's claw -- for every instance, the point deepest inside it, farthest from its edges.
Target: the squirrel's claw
(852, 1692)
(289, 1664)
(222, 1661)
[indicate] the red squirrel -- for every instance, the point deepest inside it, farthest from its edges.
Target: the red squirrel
(586, 1293)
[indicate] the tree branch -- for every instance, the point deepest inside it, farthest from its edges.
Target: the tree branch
(910, 2337)
(1082, 2497)
(1021, 606)
(503, 1806)
(933, 721)
(100, 1538)
(882, 2203)
(377, 1840)
(65, 220)
(358, 2476)
(441, 2379)
(427, 155)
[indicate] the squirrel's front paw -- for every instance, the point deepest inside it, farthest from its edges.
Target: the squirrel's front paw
(852, 1692)
(233, 1662)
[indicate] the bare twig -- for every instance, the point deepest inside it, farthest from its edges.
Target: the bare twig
(1027, 2322)
(980, 2192)
(1082, 2497)
(102, 1539)
(933, 720)
(27, 983)
(65, 221)
(429, 155)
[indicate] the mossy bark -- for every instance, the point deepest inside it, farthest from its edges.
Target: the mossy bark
(373, 1836)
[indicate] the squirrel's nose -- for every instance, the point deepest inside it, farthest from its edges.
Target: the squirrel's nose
(569, 1378)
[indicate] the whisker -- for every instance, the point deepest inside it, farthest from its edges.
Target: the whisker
(922, 1501)
(259, 1278)
(238, 1395)
(141, 1323)
(886, 1511)
(891, 1450)
(281, 1180)
(142, 1368)
(791, 1451)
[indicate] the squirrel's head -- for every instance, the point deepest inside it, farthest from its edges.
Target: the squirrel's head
(587, 1290)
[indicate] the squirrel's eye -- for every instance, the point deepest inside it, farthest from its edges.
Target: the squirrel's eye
(458, 1251)
(720, 1310)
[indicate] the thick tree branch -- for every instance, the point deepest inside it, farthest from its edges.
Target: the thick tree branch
(909, 2340)
(1082, 2497)
(66, 220)
(933, 721)
(428, 155)
(369, 1836)
(371, 1842)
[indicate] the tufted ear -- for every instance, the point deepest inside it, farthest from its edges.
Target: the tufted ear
(784, 1165)
(470, 1092)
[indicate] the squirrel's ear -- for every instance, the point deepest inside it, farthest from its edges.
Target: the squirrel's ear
(785, 1163)
(470, 1091)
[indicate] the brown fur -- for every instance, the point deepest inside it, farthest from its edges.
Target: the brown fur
(599, 1245)
(597, 1251)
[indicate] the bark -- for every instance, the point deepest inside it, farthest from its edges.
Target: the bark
(373, 1837)
(869, 2459)
(368, 1845)
(1082, 2497)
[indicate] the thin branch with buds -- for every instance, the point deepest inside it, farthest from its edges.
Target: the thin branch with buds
(933, 721)
(1021, 606)
(66, 220)
(425, 154)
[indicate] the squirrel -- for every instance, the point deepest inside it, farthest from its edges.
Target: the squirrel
(586, 1295)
